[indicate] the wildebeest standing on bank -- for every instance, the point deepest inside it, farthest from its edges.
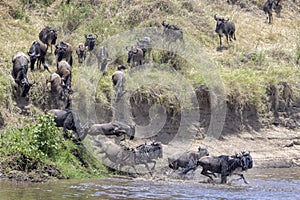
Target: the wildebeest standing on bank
(102, 57)
(48, 36)
(69, 120)
(118, 80)
(37, 52)
(59, 93)
(145, 45)
(19, 72)
(135, 56)
(81, 53)
(268, 8)
(225, 27)
(90, 41)
(63, 51)
(172, 33)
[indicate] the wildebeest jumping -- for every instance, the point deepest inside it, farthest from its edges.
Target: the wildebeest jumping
(225, 27)
(114, 128)
(48, 36)
(187, 159)
(90, 41)
(268, 8)
(64, 50)
(225, 165)
(81, 53)
(19, 72)
(69, 120)
(37, 52)
(135, 56)
(126, 156)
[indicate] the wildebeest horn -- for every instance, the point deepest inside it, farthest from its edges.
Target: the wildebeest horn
(126, 48)
(96, 36)
(215, 17)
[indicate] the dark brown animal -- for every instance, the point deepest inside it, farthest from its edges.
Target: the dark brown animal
(90, 41)
(63, 51)
(118, 80)
(225, 27)
(270, 6)
(81, 52)
(48, 36)
(187, 159)
(135, 56)
(64, 71)
(19, 72)
(37, 52)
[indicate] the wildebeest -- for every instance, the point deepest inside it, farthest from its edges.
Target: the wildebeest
(81, 52)
(64, 70)
(126, 156)
(19, 72)
(118, 79)
(90, 41)
(145, 45)
(225, 165)
(187, 159)
(172, 32)
(69, 120)
(48, 36)
(225, 27)
(58, 91)
(135, 56)
(64, 51)
(268, 8)
(37, 52)
(116, 128)
(102, 58)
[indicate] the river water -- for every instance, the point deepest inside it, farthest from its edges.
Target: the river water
(279, 183)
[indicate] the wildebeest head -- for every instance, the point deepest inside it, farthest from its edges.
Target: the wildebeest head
(81, 52)
(34, 51)
(48, 35)
(202, 151)
(61, 50)
(220, 24)
(135, 54)
(90, 41)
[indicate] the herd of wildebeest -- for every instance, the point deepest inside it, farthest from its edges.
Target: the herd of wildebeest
(121, 155)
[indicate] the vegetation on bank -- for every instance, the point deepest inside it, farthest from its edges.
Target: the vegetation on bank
(262, 55)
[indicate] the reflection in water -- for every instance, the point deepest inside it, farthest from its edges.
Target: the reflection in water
(264, 184)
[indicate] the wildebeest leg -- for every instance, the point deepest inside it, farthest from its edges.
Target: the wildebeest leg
(220, 41)
(242, 177)
(223, 178)
(205, 173)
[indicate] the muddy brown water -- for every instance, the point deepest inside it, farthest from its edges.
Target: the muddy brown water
(277, 183)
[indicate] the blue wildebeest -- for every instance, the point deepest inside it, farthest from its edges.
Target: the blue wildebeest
(224, 165)
(19, 72)
(268, 8)
(64, 71)
(59, 92)
(225, 27)
(115, 128)
(172, 32)
(186, 159)
(69, 120)
(48, 36)
(81, 52)
(37, 52)
(63, 51)
(118, 79)
(145, 45)
(135, 56)
(90, 41)
(102, 58)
